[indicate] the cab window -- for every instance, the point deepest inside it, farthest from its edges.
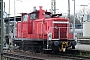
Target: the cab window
(25, 18)
(47, 16)
(33, 15)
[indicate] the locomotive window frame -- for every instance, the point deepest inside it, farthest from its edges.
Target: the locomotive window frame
(25, 17)
(47, 15)
(34, 15)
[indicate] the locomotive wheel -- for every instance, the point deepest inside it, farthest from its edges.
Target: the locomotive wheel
(24, 48)
(73, 43)
(55, 49)
(36, 50)
(73, 47)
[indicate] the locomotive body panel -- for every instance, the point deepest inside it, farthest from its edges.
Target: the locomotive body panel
(41, 27)
(61, 30)
(24, 29)
(30, 27)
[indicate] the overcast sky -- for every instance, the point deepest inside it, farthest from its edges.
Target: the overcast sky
(27, 5)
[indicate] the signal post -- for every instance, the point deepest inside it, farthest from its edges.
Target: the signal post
(1, 29)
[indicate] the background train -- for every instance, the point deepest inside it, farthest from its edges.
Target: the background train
(41, 30)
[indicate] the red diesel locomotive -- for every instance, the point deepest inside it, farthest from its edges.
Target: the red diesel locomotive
(40, 30)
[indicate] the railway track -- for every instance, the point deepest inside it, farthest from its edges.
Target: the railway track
(20, 56)
(40, 56)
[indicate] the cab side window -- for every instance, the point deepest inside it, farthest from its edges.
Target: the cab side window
(34, 15)
(47, 16)
(25, 18)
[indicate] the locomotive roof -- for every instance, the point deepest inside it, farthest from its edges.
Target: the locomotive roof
(38, 11)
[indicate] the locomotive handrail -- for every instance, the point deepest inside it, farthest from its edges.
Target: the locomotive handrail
(49, 31)
(51, 34)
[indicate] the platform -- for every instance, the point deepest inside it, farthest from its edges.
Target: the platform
(83, 47)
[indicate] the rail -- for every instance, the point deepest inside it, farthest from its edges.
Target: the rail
(20, 56)
(70, 55)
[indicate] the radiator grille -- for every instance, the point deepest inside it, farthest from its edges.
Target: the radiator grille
(61, 31)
